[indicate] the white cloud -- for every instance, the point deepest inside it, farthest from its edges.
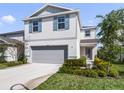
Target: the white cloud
(8, 19)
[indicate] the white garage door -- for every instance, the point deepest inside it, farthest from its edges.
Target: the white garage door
(49, 54)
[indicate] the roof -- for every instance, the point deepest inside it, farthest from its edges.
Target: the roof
(10, 41)
(50, 5)
(89, 41)
(89, 27)
(54, 14)
(68, 11)
(13, 33)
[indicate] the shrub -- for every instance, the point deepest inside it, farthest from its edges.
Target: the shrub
(113, 73)
(101, 64)
(101, 73)
(104, 68)
(2, 61)
(65, 70)
(13, 63)
(83, 60)
(74, 62)
(23, 59)
(91, 73)
(78, 72)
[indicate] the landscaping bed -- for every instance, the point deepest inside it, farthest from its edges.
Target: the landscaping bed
(71, 76)
(101, 68)
(62, 81)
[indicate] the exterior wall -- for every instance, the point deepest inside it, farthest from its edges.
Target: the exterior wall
(93, 34)
(48, 37)
(82, 51)
(19, 37)
(94, 52)
(78, 31)
(47, 30)
(11, 54)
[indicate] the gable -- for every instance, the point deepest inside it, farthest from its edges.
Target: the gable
(49, 9)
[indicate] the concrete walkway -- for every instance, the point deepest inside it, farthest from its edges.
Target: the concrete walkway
(28, 74)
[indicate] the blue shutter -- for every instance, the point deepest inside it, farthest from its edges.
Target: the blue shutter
(30, 27)
(55, 23)
(66, 22)
(40, 25)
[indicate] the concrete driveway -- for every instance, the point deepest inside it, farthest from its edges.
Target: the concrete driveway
(25, 73)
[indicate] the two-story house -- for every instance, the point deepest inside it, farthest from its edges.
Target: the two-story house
(54, 33)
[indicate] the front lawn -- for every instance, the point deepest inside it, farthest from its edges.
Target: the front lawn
(61, 81)
(3, 66)
(10, 64)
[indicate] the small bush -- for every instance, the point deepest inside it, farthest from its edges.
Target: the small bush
(2, 61)
(78, 72)
(101, 68)
(13, 63)
(91, 73)
(105, 68)
(86, 72)
(75, 62)
(65, 70)
(101, 64)
(113, 73)
(101, 73)
(83, 60)
(22, 59)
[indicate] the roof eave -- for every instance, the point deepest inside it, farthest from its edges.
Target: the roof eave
(89, 28)
(46, 5)
(61, 13)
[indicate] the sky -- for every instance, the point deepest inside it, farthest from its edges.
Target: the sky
(11, 15)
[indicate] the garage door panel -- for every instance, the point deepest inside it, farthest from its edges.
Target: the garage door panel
(55, 55)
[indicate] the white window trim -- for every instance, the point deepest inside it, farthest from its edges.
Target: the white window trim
(61, 22)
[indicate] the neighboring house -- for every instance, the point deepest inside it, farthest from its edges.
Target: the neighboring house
(14, 43)
(54, 33)
(18, 35)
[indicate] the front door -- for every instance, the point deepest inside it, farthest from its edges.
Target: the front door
(88, 53)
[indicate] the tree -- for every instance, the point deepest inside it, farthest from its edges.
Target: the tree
(110, 27)
(2, 52)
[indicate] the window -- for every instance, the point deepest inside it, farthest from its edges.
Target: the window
(61, 22)
(35, 26)
(87, 32)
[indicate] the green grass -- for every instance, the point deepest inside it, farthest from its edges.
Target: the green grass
(120, 68)
(2, 66)
(61, 81)
(10, 64)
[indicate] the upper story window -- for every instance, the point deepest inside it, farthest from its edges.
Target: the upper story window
(35, 26)
(87, 32)
(61, 22)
